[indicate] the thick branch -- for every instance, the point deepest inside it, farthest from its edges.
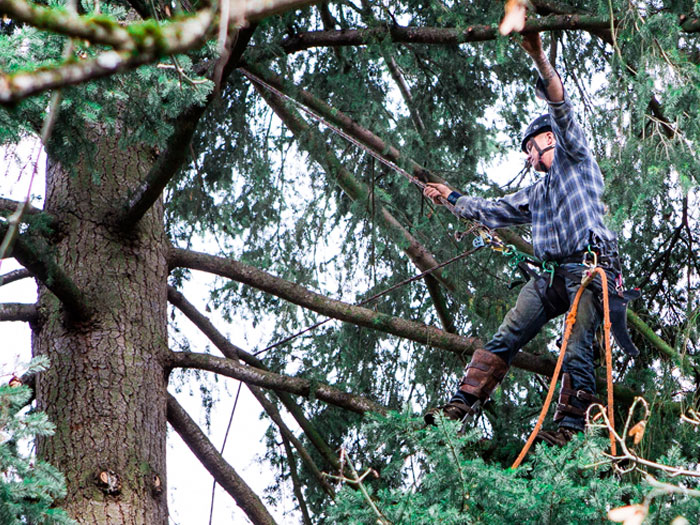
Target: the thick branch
(265, 379)
(418, 332)
(176, 151)
(15, 275)
(453, 36)
(35, 259)
(435, 35)
(223, 473)
(233, 352)
(18, 312)
(343, 121)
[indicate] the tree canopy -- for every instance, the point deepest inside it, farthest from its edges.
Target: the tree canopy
(282, 137)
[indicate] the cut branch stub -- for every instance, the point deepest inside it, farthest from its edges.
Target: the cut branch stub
(109, 482)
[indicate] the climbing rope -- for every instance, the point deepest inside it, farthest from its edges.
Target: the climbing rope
(588, 276)
(486, 236)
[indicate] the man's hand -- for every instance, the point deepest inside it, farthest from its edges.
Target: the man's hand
(435, 190)
(532, 44)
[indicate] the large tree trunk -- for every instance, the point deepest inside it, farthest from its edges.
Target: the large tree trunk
(106, 388)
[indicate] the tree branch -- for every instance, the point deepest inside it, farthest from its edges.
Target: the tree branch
(15, 275)
(176, 151)
(296, 482)
(434, 35)
(358, 191)
(32, 254)
(18, 312)
(233, 352)
(293, 385)
(411, 330)
(139, 44)
(289, 437)
(223, 473)
(363, 135)
(11, 206)
(95, 29)
(174, 39)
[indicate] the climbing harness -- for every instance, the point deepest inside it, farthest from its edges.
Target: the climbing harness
(587, 278)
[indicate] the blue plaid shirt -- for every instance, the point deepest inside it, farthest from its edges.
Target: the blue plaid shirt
(564, 207)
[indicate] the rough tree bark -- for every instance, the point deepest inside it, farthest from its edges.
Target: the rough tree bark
(106, 388)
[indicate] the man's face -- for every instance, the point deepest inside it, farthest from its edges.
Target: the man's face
(539, 152)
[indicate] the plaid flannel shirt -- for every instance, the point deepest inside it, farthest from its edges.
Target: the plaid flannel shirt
(564, 206)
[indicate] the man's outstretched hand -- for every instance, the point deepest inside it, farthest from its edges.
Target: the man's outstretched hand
(532, 44)
(435, 190)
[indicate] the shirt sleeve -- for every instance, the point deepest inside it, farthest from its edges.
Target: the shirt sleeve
(565, 126)
(497, 213)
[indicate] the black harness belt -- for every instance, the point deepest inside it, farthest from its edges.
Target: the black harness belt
(555, 298)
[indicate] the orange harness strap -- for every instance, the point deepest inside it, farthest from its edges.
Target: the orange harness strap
(570, 321)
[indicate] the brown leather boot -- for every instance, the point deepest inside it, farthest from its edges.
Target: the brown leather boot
(557, 438)
(454, 410)
(485, 371)
(571, 403)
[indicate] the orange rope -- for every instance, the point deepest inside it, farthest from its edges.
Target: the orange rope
(570, 321)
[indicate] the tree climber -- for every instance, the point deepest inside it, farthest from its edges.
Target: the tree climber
(566, 213)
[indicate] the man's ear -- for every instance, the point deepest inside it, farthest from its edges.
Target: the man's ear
(551, 139)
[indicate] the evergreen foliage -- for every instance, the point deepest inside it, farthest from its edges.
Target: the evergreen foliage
(252, 189)
(29, 488)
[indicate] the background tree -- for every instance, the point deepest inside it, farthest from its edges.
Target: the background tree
(168, 133)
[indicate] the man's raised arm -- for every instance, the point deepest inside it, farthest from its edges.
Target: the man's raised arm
(532, 44)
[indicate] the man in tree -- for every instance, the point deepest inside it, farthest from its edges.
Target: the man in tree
(566, 213)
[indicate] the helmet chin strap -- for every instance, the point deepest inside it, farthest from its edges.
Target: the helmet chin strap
(540, 165)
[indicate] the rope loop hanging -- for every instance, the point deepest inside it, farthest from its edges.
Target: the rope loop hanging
(588, 276)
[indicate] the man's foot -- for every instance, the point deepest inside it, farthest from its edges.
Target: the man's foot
(557, 438)
(454, 410)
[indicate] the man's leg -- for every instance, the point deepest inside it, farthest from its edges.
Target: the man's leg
(578, 387)
(488, 366)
